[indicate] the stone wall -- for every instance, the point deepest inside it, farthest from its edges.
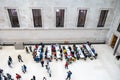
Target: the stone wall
(49, 33)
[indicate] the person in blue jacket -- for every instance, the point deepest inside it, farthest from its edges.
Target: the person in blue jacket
(24, 68)
(69, 73)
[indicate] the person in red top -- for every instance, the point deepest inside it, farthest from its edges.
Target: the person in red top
(36, 46)
(18, 76)
(66, 65)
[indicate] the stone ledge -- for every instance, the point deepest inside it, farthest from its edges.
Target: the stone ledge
(19, 45)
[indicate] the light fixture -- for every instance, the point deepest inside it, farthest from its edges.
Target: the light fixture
(57, 10)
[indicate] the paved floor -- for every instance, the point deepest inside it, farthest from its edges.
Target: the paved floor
(105, 67)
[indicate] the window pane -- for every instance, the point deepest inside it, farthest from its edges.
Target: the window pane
(37, 17)
(118, 29)
(60, 18)
(102, 18)
(81, 18)
(13, 17)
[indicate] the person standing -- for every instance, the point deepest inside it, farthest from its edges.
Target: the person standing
(69, 73)
(66, 65)
(18, 76)
(20, 58)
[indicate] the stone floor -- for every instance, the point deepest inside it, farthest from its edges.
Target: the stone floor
(105, 67)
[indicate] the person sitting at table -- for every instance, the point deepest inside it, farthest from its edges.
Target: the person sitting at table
(93, 50)
(69, 48)
(64, 51)
(77, 56)
(53, 51)
(83, 45)
(41, 56)
(42, 49)
(36, 46)
(42, 45)
(72, 53)
(63, 47)
(88, 43)
(82, 49)
(74, 48)
(37, 59)
(34, 54)
(66, 55)
(74, 59)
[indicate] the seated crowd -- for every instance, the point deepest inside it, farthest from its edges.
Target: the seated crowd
(41, 53)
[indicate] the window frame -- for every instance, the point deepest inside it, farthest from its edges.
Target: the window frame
(8, 17)
(78, 18)
(64, 25)
(118, 28)
(40, 16)
(101, 26)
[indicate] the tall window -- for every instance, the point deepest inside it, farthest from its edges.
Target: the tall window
(13, 17)
(60, 17)
(118, 29)
(102, 18)
(81, 18)
(37, 17)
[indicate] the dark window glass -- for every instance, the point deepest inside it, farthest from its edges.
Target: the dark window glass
(60, 18)
(81, 18)
(37, 17)
(13, 17)
(102, 18)
(118, 29)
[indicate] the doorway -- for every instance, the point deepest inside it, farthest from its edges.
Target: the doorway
(113, 42)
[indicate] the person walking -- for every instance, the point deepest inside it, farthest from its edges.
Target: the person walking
(10, 59)
(49, 72)
(1, 74)
(24, 68)
(1, 71)
(9, 76)
(69, 73)
(44, 78)
(26, 49)
(30, 48)
(20, 58)
(42, 63)
(18, 76)
(48, 68)
(9, 63)
(5, 78)
(34, 78)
